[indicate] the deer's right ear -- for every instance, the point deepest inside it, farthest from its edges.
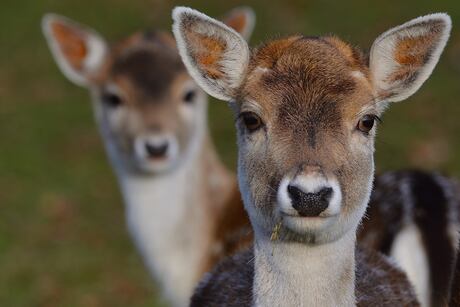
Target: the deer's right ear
(215, 55)
(78, 51)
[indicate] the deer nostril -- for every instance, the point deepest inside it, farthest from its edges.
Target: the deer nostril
(325, 193)
(156, 151)
(309, 204)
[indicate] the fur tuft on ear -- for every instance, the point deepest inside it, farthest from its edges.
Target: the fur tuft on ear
(242, 20)
(402, 58)
(78, 51)
(215, 55)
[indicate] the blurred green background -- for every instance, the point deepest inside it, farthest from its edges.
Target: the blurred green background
(63, 240)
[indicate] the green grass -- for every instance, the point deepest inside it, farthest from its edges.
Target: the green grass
(63, 240)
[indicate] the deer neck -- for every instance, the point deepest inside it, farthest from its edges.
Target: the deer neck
(296, 274)
(170, 216)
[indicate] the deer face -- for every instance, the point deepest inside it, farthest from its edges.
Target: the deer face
(307, 156)
(148, 107)
(151, 113)
(306, 110)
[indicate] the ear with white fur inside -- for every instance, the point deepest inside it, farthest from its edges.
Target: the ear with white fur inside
(78, 51)
(402, 58)
(242, 20)
(215, 55)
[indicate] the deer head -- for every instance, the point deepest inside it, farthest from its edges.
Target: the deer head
(151, 113)
(306, 112)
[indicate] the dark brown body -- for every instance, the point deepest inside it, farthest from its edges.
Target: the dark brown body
(378, 283)
(455, 290)
(430, 202)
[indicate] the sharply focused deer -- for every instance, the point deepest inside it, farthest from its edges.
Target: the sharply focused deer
(183, 207)
(306, 108)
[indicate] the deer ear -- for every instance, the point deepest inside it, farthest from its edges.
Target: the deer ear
(215, 55)
(242, 20)
(78, 51)
(402, 58)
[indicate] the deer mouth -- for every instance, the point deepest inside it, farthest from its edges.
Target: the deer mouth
(304, 224)
(156, 153)
(301, 217)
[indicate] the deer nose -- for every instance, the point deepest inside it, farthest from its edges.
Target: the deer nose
(309, 204)
(156, 150)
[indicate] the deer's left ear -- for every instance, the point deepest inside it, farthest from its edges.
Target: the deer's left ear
(402, 58)
(215, 55)
(242, 20)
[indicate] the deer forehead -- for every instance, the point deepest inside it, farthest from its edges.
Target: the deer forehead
(308, 81)
(148, 62)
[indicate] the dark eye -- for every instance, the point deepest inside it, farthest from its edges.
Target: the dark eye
(111, 100)
(366, 123)
(251, 121)
(189, 96)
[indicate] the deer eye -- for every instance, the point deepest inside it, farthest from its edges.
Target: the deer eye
(251, 120)
(112, 100)
(366, 123)
(189, 96)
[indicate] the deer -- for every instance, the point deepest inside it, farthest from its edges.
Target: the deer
(183, 207)
(375, 234)
(306, 112)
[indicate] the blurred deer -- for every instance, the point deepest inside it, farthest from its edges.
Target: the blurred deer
(183, 208)
(306, 110)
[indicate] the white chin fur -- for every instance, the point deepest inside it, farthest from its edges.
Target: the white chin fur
(156, 165)
(310, 225)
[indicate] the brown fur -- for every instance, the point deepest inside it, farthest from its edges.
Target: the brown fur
(267, 55)
(241, 22)
(138, 62)
(353, 55)
(414, 50)
(409, 59)
(233, 231)
(238, 22)
(208, 57)
(72, 45)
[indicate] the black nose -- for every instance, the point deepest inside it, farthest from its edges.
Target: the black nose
(156, 151)
(309, 204)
